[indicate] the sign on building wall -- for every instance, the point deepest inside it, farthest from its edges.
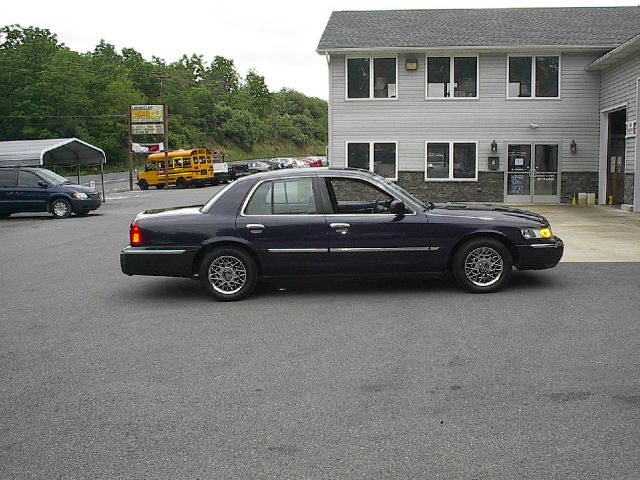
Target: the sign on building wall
(146, 114)
(631, 129)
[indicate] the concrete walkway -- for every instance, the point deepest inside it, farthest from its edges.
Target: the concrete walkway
(594, 233)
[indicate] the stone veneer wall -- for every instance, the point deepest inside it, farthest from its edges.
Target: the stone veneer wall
(577, 182)
(628, 188)
(488, 188)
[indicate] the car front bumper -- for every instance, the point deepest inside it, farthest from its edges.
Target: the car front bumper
(538, 256)
(91, 203)
(154, 261)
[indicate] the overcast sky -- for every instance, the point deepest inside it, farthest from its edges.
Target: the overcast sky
(278, 38)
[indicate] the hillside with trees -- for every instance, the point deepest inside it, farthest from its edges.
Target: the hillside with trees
(50, 91)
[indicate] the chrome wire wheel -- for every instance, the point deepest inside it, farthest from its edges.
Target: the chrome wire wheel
(227, 274)
(483, 266)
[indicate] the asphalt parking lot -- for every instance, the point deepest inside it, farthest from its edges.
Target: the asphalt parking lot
(104, 375)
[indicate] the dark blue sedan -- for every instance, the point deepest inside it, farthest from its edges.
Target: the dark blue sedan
(333, 222)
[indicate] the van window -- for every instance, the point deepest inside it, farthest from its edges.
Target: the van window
(28, 180)
(8, 178)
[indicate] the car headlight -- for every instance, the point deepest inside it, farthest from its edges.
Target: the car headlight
(79, 195)
(544, 233)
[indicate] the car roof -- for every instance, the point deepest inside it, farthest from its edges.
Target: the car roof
(306, 171)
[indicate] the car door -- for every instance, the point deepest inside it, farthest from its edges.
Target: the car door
(281, 218)
(365, 237)
(31, 196)
(8, 182)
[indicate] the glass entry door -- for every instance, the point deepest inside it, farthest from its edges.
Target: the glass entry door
(532, 173)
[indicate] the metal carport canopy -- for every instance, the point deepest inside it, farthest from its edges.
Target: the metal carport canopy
(55, 152)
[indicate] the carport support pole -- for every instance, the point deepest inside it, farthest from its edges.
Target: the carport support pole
(78, 165)
(104, 199)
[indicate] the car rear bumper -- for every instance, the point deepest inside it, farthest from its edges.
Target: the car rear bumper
(154, 261)
(540, 255)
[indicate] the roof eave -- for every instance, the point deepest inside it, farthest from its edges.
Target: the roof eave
(487, 48)
(616, 55)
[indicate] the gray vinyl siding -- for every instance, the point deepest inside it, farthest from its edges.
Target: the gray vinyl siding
(411, 119)
(619, 85)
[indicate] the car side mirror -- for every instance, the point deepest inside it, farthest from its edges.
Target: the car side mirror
(397, 207)
(43, 184)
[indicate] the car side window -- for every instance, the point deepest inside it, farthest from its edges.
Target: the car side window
(352, 196)
(8, 178)
(283, 197)
(28, 180)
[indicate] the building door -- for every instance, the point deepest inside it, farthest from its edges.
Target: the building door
(532, 173)
(615, 156)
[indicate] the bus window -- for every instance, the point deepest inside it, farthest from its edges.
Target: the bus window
(150, 167)
(209, 160)
(186, 163)
(202, 160)
(178, 163)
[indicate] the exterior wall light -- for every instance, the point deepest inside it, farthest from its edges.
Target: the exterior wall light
(411, 64)
(574, 146)
(494, 147)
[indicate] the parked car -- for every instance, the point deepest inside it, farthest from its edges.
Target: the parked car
(26, 189)
(238, 170)
(313, 161)
(333, 222)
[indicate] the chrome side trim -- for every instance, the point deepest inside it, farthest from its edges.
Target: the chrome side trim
(382, 249)
(544, 245)
(298, 250)
(150, 251)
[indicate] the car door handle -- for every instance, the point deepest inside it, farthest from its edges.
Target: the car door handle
(255, 227)
(340, 227)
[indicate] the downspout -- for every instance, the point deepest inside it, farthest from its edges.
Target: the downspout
(329, 114)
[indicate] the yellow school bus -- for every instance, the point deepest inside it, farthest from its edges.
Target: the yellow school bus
(186, 168)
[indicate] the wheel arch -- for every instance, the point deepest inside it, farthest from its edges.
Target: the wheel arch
(496, 235)
(58, 196)
(225, 242)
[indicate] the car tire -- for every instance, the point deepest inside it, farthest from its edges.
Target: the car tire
(5, 214)
(160, 186)
(143, 184)
(482, 265)
(228, 274)
(181, 183)
(60, 208)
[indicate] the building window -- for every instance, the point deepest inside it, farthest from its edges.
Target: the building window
(451, 161)
(443, 73)
(377, 157)
(372, 77)
(534, 77)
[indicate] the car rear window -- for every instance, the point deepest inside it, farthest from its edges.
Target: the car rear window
(8, 178)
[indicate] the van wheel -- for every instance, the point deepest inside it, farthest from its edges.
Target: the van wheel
(482, 265)
(181, 183)
(60, 208)
(143, 184)
(228, 273)
(160, 186)
(5, 214)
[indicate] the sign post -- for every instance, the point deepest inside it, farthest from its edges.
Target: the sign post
(148, 120)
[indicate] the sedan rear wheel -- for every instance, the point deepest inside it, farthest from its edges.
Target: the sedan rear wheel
(482, 265)
(228, 274)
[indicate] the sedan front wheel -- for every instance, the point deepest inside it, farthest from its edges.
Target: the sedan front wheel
(229, 274)
(482, 265)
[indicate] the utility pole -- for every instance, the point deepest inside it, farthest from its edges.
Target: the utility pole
(165, 110)
(130, 152)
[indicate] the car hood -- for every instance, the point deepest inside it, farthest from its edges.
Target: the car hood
(78, 188)
(488, 212)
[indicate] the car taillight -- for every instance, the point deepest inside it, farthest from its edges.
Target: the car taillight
(135, 235)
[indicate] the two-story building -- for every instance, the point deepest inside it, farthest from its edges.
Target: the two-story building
(499, 105)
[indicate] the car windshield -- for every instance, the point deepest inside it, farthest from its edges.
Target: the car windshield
(398, 189)
(207, 206)
(52, 177)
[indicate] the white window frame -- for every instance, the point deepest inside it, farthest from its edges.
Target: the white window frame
(451, 96)
(450, 178)
(533, 77)
(371, 79)
(371, 152)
